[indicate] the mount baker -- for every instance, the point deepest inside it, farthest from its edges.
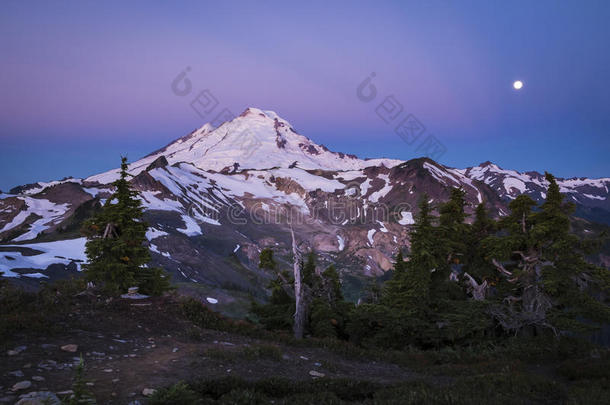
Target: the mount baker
(217, 196)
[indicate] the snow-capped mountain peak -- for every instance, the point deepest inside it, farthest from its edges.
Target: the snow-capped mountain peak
(352, 209)
(256, 139)
(510, 183)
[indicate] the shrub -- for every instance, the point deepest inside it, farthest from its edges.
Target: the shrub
(202, 316)
(266, 260)
(585, 369)
(80, 395)
(323, 320)
(28, 311)
(217, 388)
(178, 394)
(262, 352)
(250, 397)
(153, 281)
(378, 326)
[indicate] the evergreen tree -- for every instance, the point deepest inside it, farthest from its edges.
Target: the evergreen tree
(515, 236)
(331, 286)
(483, 225)
(394, 288)
(325, 309)
(309, 270)
(476, 263)
(452, 212)
(565, 272)
(372, 292)
(410, 314)
(410, 284)
(452, 234)
(329, 311)
(423, 259)
(116, 246)
(277, 314)
(545, 265)
(266, 260)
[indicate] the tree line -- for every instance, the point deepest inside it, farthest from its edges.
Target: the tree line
(459, 281)
(462, 281)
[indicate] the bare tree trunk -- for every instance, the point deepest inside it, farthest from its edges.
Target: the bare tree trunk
(110, 231)
(478, 290)
(531, 314)
(299, 313)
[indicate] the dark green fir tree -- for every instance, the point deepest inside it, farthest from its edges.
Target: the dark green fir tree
(410, 284)
(476, 263)
(394, 287)
(452, 234)
(546, 266)
(117, 248)
(266, 260)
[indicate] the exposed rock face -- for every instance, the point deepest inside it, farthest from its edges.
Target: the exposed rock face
(161, 161)
(63, 193)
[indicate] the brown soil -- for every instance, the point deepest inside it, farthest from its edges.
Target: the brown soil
(132, 345)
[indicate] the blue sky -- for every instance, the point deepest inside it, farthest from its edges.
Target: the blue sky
(84, 82)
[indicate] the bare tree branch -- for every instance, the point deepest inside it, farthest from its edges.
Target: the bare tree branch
(501, 268)
(286, 285)
(478, 290)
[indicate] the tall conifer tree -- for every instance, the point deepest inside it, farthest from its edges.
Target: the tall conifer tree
(116, 247)
(452, 233)
(410, 285)
(546, 265)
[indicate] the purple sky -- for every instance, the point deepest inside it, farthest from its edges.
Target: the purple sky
(84, 82)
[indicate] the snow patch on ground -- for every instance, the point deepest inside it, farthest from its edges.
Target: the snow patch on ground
(407, 218)
(153, 233)
(42, 185)
(191, 227)
(370, 235)
(62, 251)
(594, 197)
(364, 187)
(374, 197)
(51, 214)
(35, 275)
(511, 182)
(341, 242)
(459, 173)
(439, 174)
(152, 202)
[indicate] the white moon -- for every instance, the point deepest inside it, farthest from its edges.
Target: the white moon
(518, 84)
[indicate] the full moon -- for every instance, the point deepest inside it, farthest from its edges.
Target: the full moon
(518, 84)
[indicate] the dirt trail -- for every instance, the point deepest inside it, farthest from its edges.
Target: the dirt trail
(135, 347)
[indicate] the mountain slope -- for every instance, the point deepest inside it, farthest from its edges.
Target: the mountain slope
(217, 196)
(590, 195)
